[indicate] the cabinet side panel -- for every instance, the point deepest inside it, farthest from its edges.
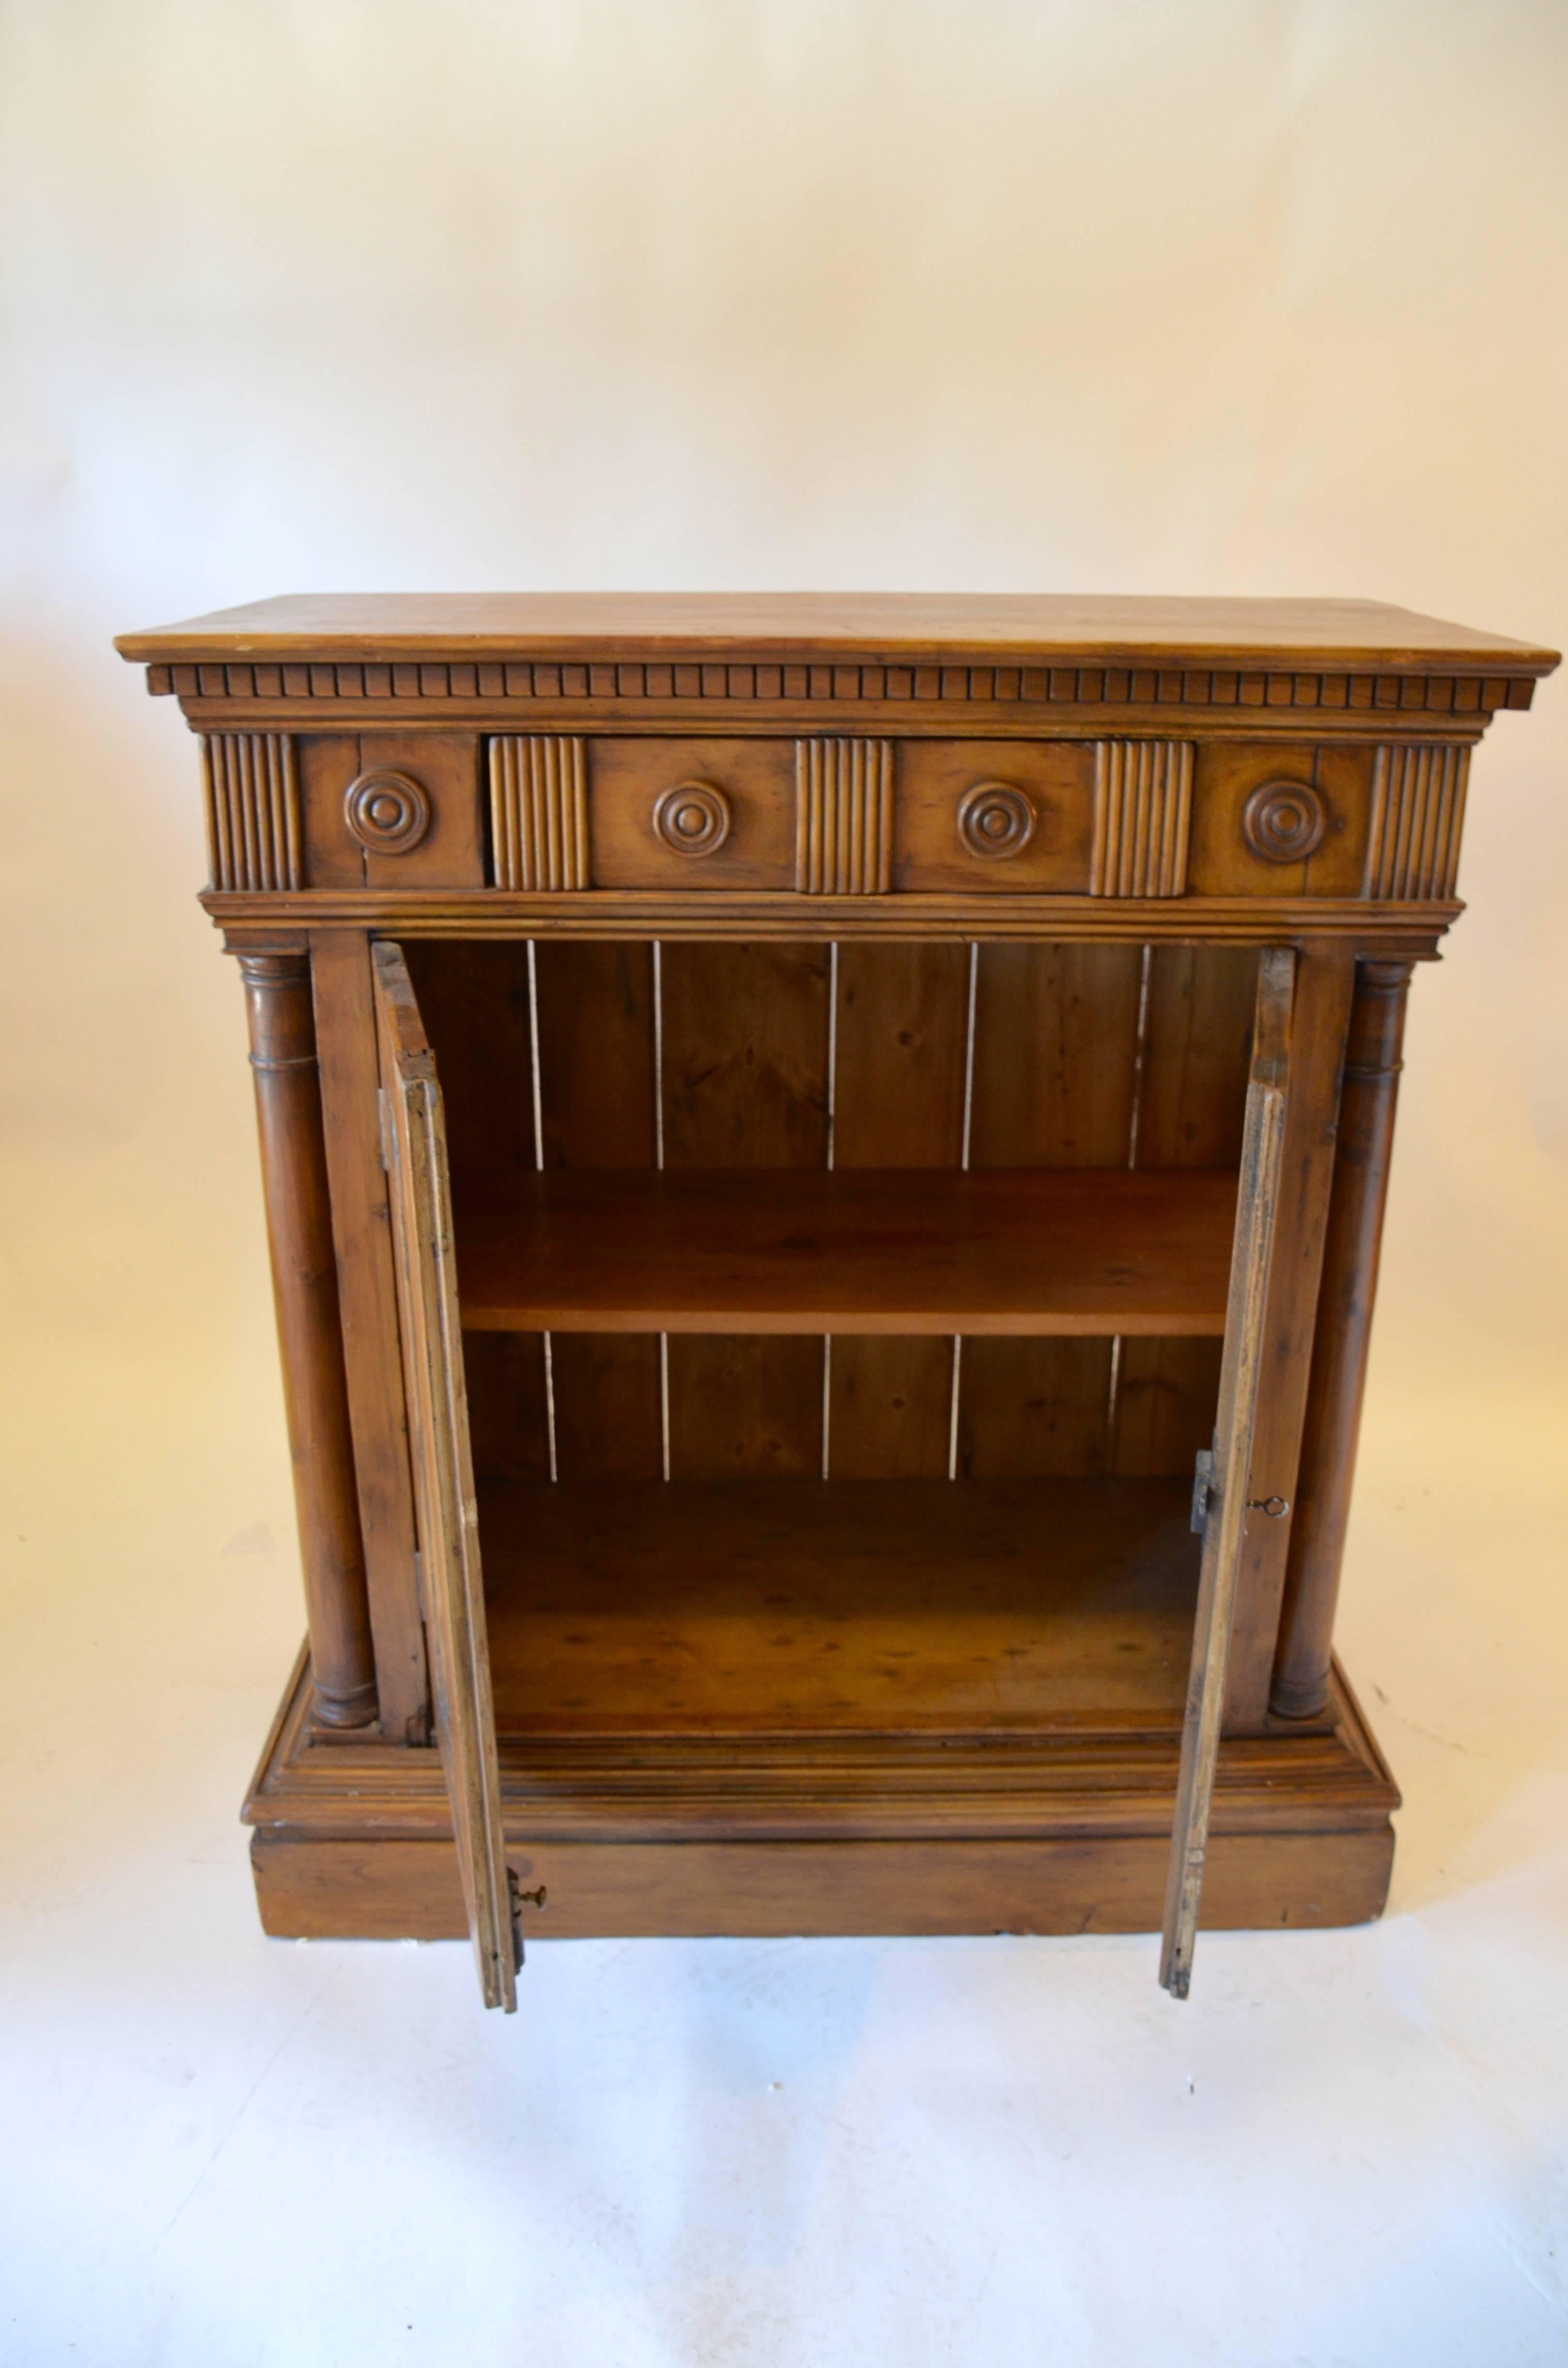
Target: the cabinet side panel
(1192, 1097)
(744, 1041)
(900, 1035)
(597, 1059)
(1053, 1080)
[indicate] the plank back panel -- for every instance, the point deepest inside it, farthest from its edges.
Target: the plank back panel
(598, 1092)
(473, 1000)
(1191, 1104)
(1054, 1071)
(744, 1032)
(900, 1026)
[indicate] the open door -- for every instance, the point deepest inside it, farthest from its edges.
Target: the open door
(1219, 1496)
(415, 1142)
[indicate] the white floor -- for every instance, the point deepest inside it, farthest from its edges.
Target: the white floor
(1349, 2148)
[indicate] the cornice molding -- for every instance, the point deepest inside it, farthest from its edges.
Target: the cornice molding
(760, 685)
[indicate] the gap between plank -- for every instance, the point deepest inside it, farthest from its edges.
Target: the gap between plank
(539, 1163)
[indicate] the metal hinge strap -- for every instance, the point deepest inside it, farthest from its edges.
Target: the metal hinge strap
(1205, 1495)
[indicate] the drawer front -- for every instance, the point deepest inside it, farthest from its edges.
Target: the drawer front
(691, 813)
(393, 810)
(989, 816)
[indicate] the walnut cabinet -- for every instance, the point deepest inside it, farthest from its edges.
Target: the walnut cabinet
(825, 1160)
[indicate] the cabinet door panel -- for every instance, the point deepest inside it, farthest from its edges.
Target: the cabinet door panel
(443, 1468)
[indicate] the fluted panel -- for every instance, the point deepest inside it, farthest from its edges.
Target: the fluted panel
(1417, 815)
(539, 812)
(1143, 816)
(844, 817)
(253, 809)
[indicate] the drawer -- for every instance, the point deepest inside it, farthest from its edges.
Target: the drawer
(391, 810)
(691, 813)
(993, 816)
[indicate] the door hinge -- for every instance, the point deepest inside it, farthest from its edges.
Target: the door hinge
(1204, 1493)
(518, 1899)
(383, 1126)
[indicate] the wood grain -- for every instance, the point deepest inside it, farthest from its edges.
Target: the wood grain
(538, 810)
(1324, 986)
(452, 1585)
(1388, 931)
(597, 1091)
(1349, 1280)
(864, 1605)
(254, 825)
(610, 625)
(938, 777)
(754, 779)
(474, 1005)
(309, 1334)
(745, 1042)
(745, 1055)
(397, 1890)
(1418, 797)
(844, 807)
(1227, 1504)
(1055, 1052)
(361, 1223)
(899, 1033)
(890, 1249)
(1142, 817)
(452, 853)
(1191, 1097)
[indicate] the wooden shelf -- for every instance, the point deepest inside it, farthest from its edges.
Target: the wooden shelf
(857, 1250)
(748, 1607)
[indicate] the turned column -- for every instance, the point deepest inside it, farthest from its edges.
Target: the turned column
(1365, 1140)
(304, 1283)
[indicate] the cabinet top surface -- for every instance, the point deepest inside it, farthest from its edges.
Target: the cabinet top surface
(629, 624)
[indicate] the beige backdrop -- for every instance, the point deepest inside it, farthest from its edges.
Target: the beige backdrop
(1070, 295)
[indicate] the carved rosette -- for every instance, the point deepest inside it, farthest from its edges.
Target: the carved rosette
(1418, 793)
(693, 818)
(1142, 817)
(539, 812)
(387, 813)
(996, 820)
(252, 787)
(844, 817)
(1284, 822)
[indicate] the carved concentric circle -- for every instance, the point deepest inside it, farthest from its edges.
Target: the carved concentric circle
(387, 813)
(1284, 821)
(996, 820)
(693, 818)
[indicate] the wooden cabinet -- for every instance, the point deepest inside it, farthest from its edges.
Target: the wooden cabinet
(790, 1128)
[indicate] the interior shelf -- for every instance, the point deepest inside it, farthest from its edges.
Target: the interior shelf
(746, 1608)
(854, 1250)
